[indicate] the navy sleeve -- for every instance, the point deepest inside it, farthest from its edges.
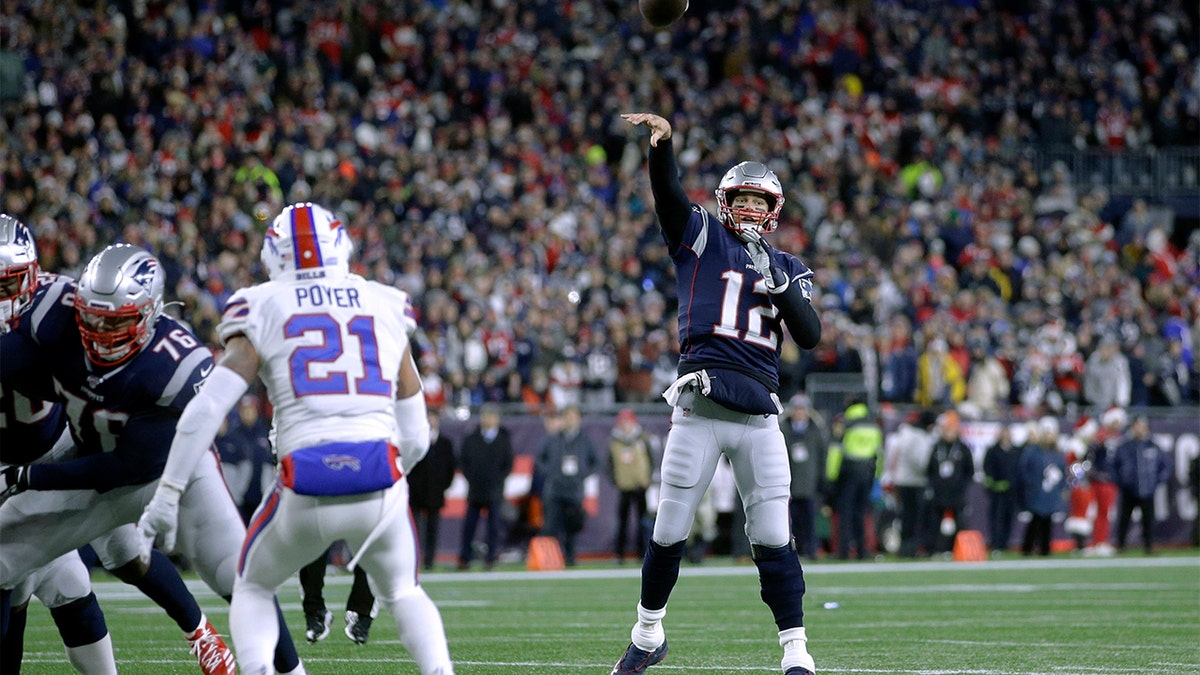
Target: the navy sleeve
(795, 303)
(21, 354)
(138, 458)
(671, 203)
(799, 316)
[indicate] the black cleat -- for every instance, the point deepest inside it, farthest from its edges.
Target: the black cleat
(358, 628)
(638, 660)
(317, 626)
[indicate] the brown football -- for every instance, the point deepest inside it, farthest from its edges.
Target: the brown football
(662, 13)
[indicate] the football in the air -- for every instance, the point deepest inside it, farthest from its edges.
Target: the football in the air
(662, 13)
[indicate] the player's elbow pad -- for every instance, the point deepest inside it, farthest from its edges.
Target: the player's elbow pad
(414, 430)
(200, 421)
(799, 317)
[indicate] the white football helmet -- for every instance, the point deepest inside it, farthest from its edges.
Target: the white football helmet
(18, 268)
(303, 237)
(756, 178)
(118, 299)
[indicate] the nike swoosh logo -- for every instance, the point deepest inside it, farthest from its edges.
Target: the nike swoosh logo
(205, 371)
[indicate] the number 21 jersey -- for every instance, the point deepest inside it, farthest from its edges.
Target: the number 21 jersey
(330, 350)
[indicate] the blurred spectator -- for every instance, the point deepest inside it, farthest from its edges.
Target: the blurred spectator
(566, 381)
(898, 363)
(536, 394)
(246, 456)
(950, 471)
(1043, 475)
(1002, 479)
(940, 379)
(565, 459)
(486, 460)
(853, 464)
(1172, 377)
(987, 381)
(629, 466)
(599, 373)
(1106, 376)
(1099, 459)
(907, 457)
(1140, 466)
(428, 481)
(807, 446)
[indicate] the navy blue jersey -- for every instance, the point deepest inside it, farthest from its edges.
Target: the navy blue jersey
(30, 419)
(729, 325)
(28, 427)
(726, 317)
(122, 419)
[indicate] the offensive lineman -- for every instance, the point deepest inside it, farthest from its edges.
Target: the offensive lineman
(28, 431)
(34, 432)
(735, 295)
(124, 370)
(333, 352)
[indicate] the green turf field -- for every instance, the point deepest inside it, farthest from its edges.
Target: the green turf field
(1059, 616)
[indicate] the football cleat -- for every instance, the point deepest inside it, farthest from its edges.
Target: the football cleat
(638, 660)
(797, 670)
(358, 629)
(210, 650)
(317, 626)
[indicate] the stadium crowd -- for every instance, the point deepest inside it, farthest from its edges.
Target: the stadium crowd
(475, 151)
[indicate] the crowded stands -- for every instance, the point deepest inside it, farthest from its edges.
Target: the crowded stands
(475, 151)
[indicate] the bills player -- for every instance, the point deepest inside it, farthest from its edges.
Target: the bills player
(333, 351)
(736, 294)
(124, 371)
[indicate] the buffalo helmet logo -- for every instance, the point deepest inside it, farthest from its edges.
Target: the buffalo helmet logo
(339, 462)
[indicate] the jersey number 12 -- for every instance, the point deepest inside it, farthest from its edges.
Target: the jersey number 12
(757, 332)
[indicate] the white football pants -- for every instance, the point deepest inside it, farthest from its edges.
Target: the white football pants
(756, 451)
(289, 530)
(38, 526)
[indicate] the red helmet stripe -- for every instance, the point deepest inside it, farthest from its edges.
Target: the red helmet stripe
(304, 238)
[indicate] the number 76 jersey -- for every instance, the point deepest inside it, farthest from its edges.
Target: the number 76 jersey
(330, 350)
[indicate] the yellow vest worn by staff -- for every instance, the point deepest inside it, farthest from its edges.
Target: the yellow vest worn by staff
(862, 441)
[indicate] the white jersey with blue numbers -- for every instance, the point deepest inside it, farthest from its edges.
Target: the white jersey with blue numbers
(330, 350)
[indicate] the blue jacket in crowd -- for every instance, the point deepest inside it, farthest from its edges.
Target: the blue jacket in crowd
(1140, 467)
(1043, 474)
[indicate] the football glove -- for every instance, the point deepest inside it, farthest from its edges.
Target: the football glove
(160, 519)
(13, 480)
(760, 257)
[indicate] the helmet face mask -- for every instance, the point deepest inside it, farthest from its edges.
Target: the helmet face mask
(18, 269)
(305, 237)
(753, 179)
(117, 302)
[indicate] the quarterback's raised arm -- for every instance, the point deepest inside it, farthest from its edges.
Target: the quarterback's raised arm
(671, 203)
(195, 432)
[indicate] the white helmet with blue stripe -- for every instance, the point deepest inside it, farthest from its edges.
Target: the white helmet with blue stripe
(305, 237)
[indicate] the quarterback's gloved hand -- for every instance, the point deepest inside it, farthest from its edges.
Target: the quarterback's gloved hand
(160, 519)
(13, 480)
(760, 256)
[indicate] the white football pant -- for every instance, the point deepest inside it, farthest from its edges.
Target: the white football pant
(289, 530)
(38, 526)
(758, 455)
